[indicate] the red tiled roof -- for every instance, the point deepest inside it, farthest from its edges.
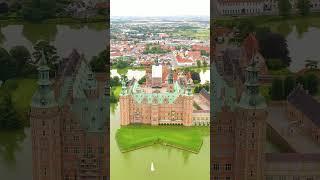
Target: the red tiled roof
(183, 60)
(251, 45)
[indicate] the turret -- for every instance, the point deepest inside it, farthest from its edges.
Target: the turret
(45, 127)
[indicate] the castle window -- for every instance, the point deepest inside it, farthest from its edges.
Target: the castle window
(43, 133)
(216, 167)
(43, 123)
(228, 167)
(45, 171)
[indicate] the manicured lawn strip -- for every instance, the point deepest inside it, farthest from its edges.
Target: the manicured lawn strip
(138, 136)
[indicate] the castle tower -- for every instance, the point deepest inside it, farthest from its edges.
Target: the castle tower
(188, 106)
(45, 128)
(124, 105)
(170, 80)
(250, 128)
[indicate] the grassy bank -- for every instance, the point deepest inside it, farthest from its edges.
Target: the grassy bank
(133, 137)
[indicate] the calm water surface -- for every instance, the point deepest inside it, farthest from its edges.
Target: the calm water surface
(87, 38)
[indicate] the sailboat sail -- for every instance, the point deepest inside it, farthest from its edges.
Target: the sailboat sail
(152, 167)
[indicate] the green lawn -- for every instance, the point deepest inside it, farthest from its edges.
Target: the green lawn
(138, 136)
(21, 91)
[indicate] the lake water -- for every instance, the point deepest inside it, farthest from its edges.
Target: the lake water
(303, 37)
(170, 163)
(87, 38)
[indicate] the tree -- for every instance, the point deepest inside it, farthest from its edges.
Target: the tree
(21, 57)
(205, 64)
(204, 53)
(7, 65)
(274, 46)
(195, 76)
(115, 81)
(8, 115)
(142, 80)
(304, 7)
(98, 63)
(198, 63)
(289, 85)
(50, 53)
(4, 8)
(310, 82)
(284, 7)
(38, 10)
(277, 92)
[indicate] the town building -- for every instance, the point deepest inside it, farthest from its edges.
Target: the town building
(255, 7)
(68, 122)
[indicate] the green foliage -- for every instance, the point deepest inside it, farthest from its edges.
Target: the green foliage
(8, 115)
(114, 81)
(198, 63)
(22, 57)
(204, 64)
(7, 65)
(50, 53)
(205, 86)
(304, 7)
(284, 7)
(274, 64)
(154, 49)
(204, 53)
(277, 90)
(142, 80)
(273, 46)
(99, 63)
(195, 76)
(289, 85)
(310, 82)
(38, 10)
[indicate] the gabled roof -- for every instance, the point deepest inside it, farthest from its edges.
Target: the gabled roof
(305, 103)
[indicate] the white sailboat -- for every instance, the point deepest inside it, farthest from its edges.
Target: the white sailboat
(152, 167)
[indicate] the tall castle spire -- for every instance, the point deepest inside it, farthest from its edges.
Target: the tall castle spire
(44, 96)
(251, 97)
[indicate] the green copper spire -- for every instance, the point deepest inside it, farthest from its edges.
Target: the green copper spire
(251, 97)
(124, 86)
(44, 96)
(44, 79)
(189, 93)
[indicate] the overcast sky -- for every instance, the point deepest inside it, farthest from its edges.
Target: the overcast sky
(160, 7)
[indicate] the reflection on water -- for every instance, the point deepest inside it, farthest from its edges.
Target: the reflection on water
(16, 154)
(88, 38)
(303, 37)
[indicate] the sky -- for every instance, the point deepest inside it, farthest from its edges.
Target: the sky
(160, 8)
